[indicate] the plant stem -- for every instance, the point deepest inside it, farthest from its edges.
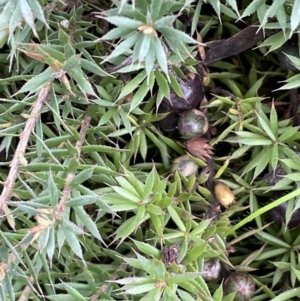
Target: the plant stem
(18, 158)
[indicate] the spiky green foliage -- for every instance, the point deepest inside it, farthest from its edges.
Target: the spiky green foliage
(91, 206)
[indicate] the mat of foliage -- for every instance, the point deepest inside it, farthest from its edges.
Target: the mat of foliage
(104, 195)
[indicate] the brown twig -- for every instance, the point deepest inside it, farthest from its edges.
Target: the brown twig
(26, 291)
(67, 189)
(226, 93)
(104, 286)
(22, 145)
(240, 42)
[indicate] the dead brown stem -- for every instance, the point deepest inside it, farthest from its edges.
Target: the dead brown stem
(67, 190)
(26, 291)
(104, 286)
(22, 145)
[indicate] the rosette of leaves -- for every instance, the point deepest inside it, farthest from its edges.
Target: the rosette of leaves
(279, 15)
(276, 257)
(293, 81)
(269, 139)
(147, 32)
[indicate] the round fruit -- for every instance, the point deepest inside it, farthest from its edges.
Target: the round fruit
(224, 194)
(185, 165)
(193, 92)
(278, 214)
(211, 269)
(241, 283)
(200, 148)
(192, 124)
(284, 61)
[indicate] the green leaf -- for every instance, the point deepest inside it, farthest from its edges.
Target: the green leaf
(253, 163)
(139, 96)
(178, 35)
(144, 48)
(233, 4)
(74, 293)
(6, 15)
(216, 6)
(294, 176)
(124, 46)
(160, 55)
(53, 191)
(61, 297)
(218, 294)
(265, 126)
(37, 10)
(252, 7)
(287, 295)
(83, 83)
(255, 141)
(92, 67)
(147, 249)
(288, 134)
(51, 244)
(275, 41)
(27, 14)
(126, 229)
(43, 239)
(155, 8)
(118, 32)
(281, 17)
(88, 222)
(73, 241)
(252, 92)
(149, 183)
(140, 289)
(124, 183)
(272, 10)
(126, 194)
(15, 19)
(274, 120)
(38, 82)
(150, 59)
(262, 210)
(143, 147)
(61, 237)
(295, 20)
(183, 277)
(274, 156)
(294, 60)
(185, 296)
(81, 177)
(297, 273)
(196, 18)
(195, 253)
(133, 84)
(123, 22)
(201, 227)
(176, 218)
(292, 83)
(82, 200)
(244, 134)
(164, 22)
(176, 86)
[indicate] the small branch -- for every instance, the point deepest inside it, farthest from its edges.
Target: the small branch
(240, 42)
(26, 291)
(228, 94)
(67, 190)
(21, 148)
(104, 286)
